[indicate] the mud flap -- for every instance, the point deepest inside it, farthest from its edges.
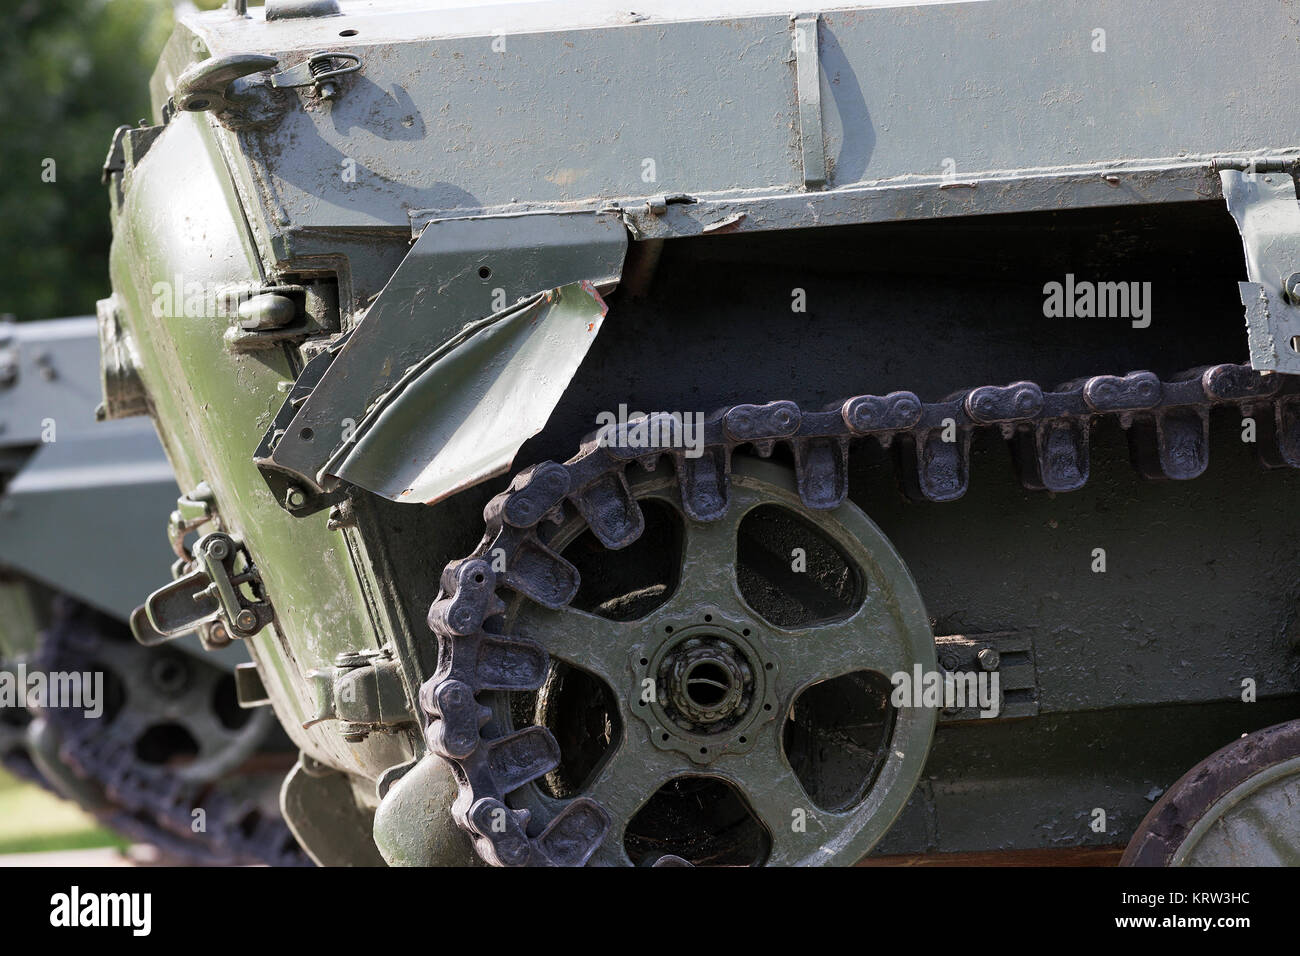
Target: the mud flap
(459, 417)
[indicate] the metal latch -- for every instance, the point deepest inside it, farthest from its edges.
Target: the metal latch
(208, 589)
(319, 71)
(363, 691)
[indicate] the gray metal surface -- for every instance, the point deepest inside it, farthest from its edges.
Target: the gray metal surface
(86, 516)
(48, 374)
(906, 91)
(72, 516)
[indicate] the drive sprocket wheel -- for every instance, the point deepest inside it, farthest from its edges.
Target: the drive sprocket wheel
(1238, 807)
(741, 709)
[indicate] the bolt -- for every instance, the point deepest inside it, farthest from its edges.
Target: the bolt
(989, 659)
(219, 549)
(328, 91)
(295, 498)
(245, 620)
(1292, 287)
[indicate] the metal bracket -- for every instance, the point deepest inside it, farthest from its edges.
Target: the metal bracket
(1009, 654)
(293, 494)
(363, 691)
(211, 590)
(115, 161)
(272, 315)
(812, 139)
(119, 378)
(250, 690)
(208, 85)
(1267, 214)
(193, 509)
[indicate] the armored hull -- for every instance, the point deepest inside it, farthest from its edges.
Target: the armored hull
(710, 436)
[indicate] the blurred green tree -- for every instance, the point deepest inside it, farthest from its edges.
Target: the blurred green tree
(71, 71)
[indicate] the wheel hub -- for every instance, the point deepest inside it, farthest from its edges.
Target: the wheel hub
(707, 680)
(706, 686)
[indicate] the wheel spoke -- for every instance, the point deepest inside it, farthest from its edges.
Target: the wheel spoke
(708, 564)
(871, 639)
(629, 777)
(580, 638)
(798, 829)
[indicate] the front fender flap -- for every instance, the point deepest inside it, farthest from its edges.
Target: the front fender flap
(459, 416)
(449, 291)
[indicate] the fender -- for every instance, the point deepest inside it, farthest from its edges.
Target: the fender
(441, 383)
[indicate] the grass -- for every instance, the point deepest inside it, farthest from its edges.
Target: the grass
(33, 820)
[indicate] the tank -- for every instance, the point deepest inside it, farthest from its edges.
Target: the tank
(140, 739)
(709, 436)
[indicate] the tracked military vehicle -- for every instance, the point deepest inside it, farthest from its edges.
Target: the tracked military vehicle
(702, 435)
(138, 738)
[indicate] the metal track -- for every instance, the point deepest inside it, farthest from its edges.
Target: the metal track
(148, 802)
(1048, 432)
